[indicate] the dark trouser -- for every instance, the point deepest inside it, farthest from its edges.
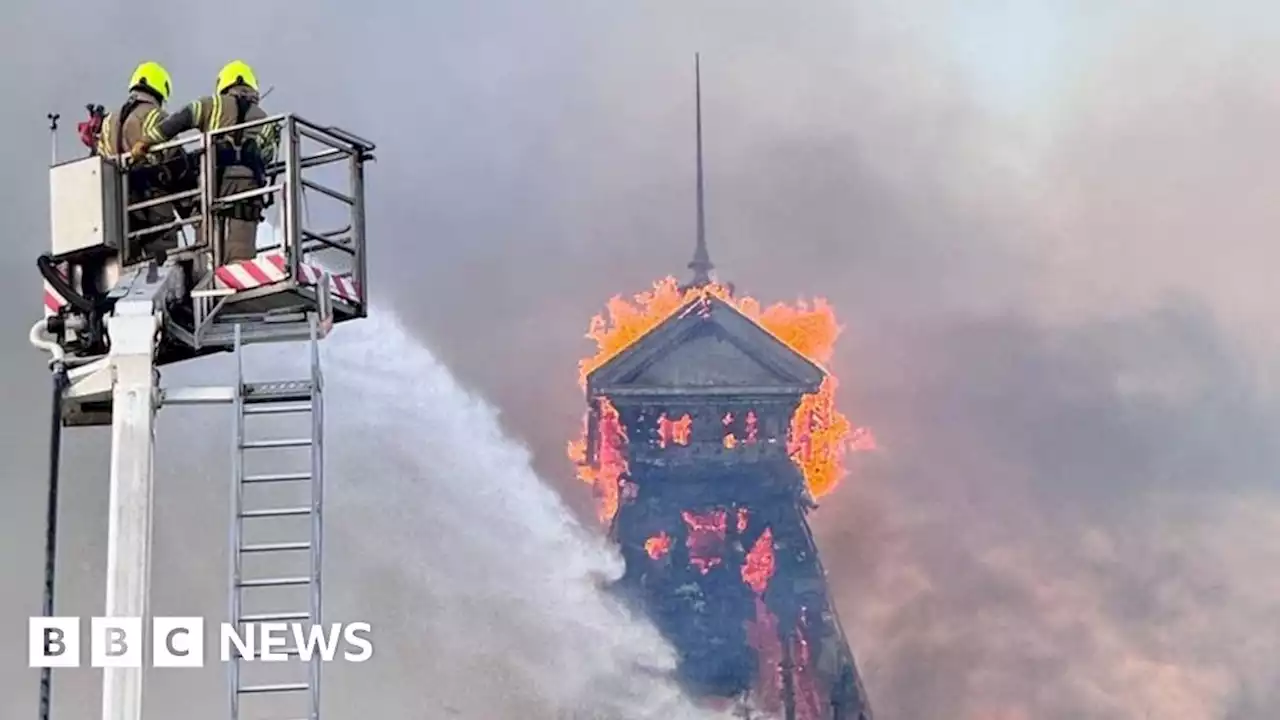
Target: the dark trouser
(151, 217)
(238, 225)
(167, 178)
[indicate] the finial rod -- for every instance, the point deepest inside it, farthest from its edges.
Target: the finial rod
(701, 263)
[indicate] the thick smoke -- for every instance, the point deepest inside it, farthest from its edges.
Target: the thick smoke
(1049, 229)
(1095, 551)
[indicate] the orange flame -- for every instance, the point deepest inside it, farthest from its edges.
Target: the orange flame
(674, 431)
(821, 436)
(758, 569)
(605, 476)
(658, 545)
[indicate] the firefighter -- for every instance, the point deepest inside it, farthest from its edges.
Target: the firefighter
(241, 157)
(138, 120)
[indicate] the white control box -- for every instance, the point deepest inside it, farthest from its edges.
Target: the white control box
(85, 206)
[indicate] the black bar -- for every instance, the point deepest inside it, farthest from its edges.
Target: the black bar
(51, 524)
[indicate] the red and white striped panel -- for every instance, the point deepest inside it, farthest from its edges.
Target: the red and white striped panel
(53, 301)
(342, 287)
(270, 268)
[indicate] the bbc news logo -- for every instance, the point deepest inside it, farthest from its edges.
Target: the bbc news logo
(178, 642)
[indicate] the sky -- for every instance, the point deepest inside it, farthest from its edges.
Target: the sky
(1048, 231)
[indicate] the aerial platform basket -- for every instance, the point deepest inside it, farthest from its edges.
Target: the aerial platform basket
(99, 242)
(117, 307)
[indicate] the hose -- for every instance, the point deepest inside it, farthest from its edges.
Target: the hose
(51, 521)
(40, 342)
(60, 284)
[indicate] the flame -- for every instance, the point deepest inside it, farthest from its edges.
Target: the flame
(605, 476)
(730, 442)
(674, 431)
(821, 436)
(658, 545)
(706, 538)
(758, 569)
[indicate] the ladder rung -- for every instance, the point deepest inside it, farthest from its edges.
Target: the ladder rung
(279, 688)
(287, 443)
(275, 582)
(264, 392)
(277, 477)
(275, 617)
(276, 512)
(265, 409)
(275, 547)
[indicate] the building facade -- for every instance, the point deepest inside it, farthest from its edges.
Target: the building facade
(710, 511)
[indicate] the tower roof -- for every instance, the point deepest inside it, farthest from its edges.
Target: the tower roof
(706, 348)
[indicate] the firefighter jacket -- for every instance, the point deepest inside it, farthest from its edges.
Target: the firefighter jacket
(239, 154)
(138, 119)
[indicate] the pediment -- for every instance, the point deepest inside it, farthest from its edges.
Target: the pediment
(706, 347)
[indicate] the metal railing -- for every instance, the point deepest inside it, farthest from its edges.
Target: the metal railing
(290, 178)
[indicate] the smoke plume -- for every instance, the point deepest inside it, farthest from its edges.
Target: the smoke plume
(1048, 229)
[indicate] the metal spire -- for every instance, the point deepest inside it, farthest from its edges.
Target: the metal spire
(701, 263)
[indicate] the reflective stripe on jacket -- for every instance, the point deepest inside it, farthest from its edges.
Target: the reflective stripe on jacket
(211, 113)
(143, 121)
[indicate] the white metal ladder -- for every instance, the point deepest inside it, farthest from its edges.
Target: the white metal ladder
(266, 530)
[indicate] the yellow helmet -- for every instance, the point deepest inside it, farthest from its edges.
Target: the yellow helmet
(236, 72)
(153, 76)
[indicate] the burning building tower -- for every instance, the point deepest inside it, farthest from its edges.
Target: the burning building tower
(711, 429)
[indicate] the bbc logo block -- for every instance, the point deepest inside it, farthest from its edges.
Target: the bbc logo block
(114, 642)
(53, 642)
(177, 642)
